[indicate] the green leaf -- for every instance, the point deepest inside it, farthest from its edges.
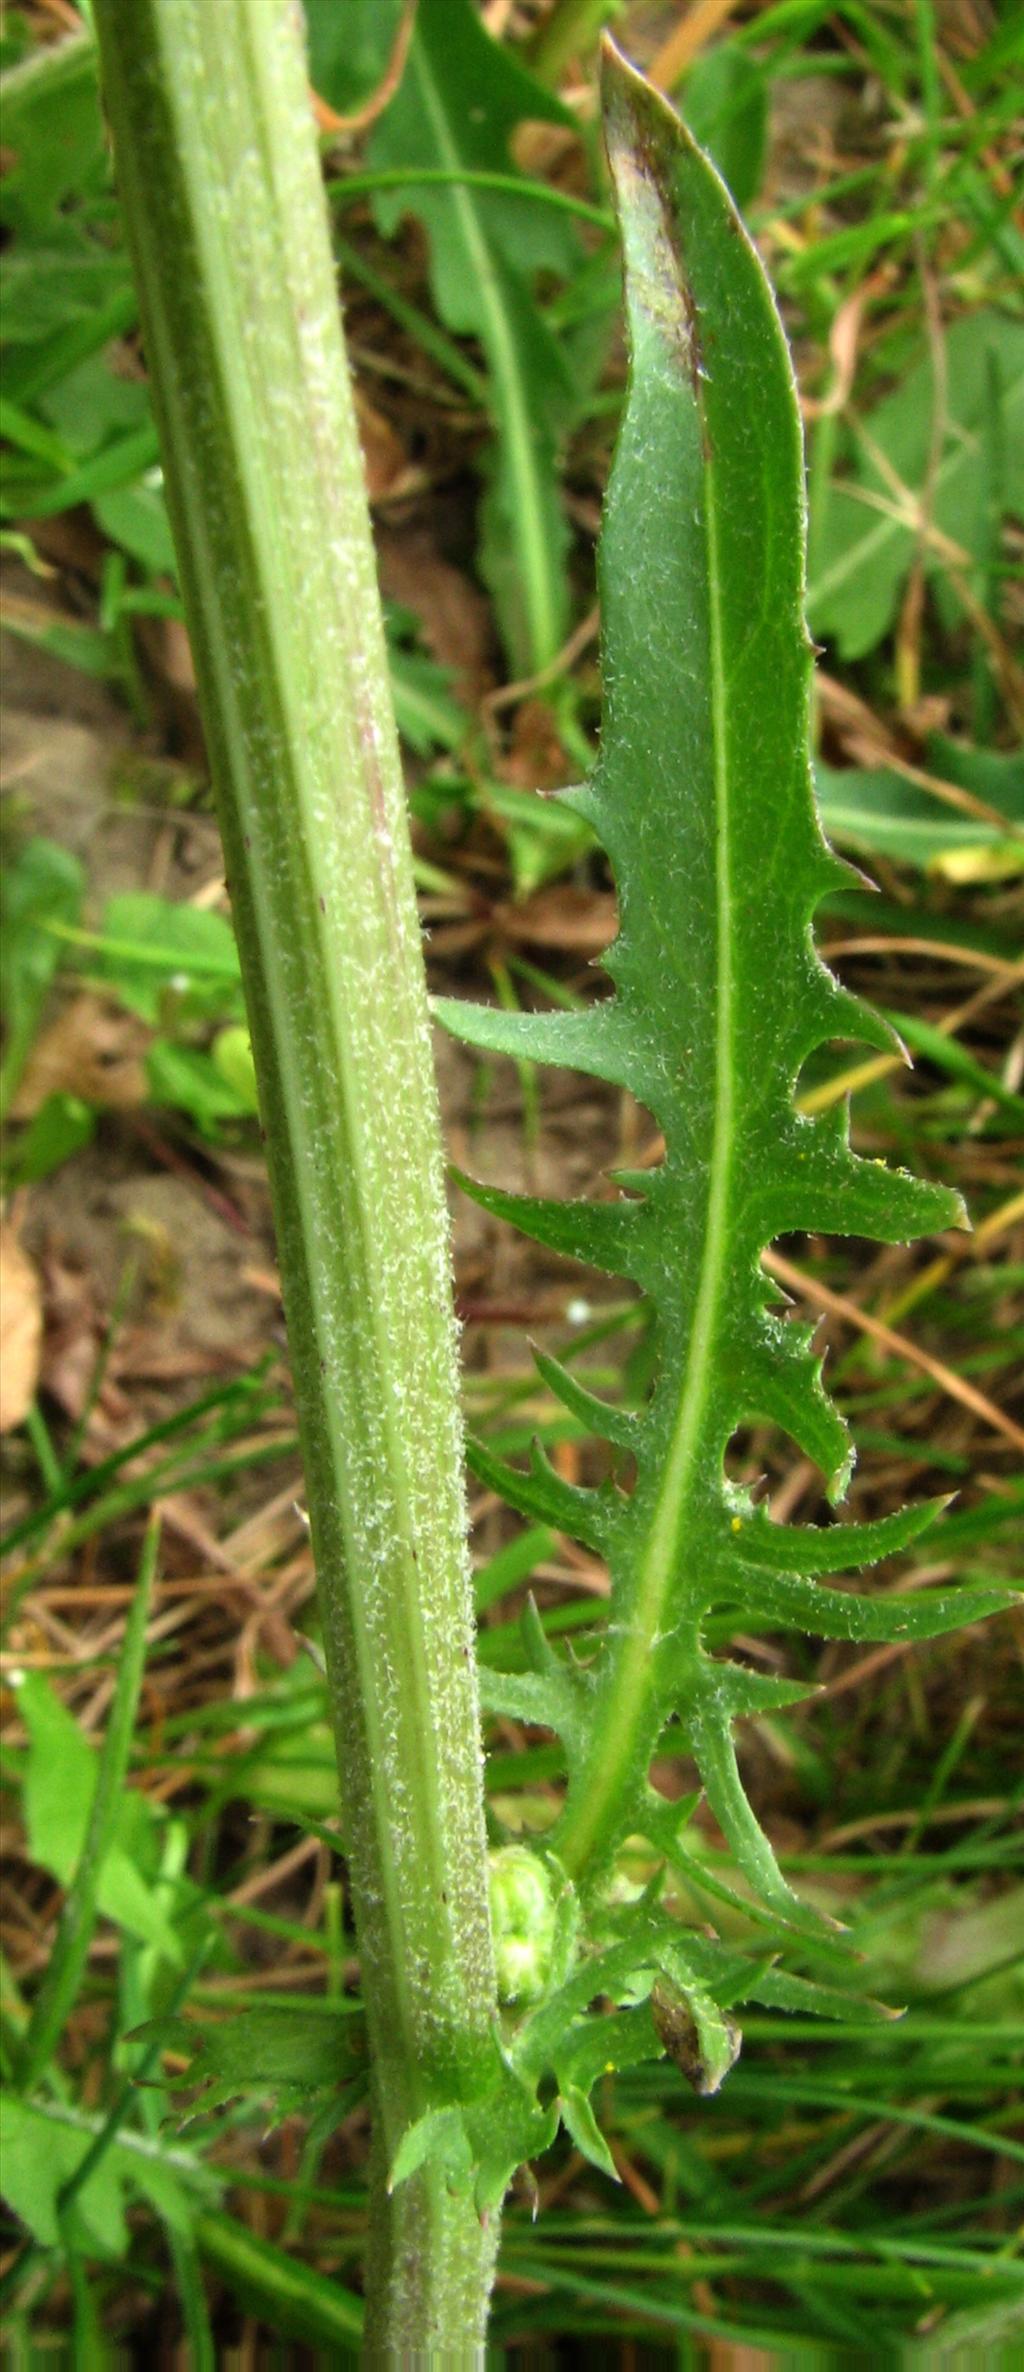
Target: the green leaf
(479, 2147)
(582, 2127)
(53, 131)
(544, 838)
(62, 1125)
(726, 108)
(440, 2138)
(102, 1875)
(549, 1693)
(460, 99)
(836, 1548)
(191, 1081)
(119, 463)
(76, 644)
(135, 517)
(38, 2159)
(618, 1425)
(997, 776)
(42, 2146)
(285, 2293)
(42, 886)
(232, 1056)
(91, 406)
(944, 1051)
(511, 1565)
(348, 44)
(427, 714)
(596, 2047)
(782, 1602)
(60, 1786)
(590, 1516)
(870, 532)
(703, 800)
(698, 2037)
(507, 2130)
(877, 812)
(151, 948)
(296, 2059)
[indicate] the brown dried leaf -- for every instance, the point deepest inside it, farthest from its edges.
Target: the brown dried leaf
(167, 642)
(385, 459)
(73, 1333)
(21, 1329)
(575, 920)
(91, 1050)
(453, 613)
(535, 759)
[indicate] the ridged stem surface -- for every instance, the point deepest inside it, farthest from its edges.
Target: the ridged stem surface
(219, 180)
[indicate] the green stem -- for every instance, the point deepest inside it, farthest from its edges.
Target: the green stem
(219, 179)
(510, 185)
(568, 32)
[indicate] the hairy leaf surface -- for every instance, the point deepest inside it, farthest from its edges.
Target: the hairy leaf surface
(302, 2060)
(703, 799)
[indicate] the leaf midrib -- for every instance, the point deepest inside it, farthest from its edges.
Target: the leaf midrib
(628, 1686)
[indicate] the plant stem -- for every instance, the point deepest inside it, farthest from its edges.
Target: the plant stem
(568, 31)
(220, 185)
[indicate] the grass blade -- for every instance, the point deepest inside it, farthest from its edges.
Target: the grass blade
(59, 1989)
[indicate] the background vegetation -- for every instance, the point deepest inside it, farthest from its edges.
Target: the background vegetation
(173, 1799)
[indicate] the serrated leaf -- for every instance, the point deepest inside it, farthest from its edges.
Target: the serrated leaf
(732, 1977)
(836, 1548)
(675, 1991)
(440, 2137)
(480, 2146)
(703, 800)
(697, 2036)
(582, 2127)
(709, 1730)
(292, 2058)
(601, 1234)
(783, 1601)
(598, 2047)
(590, 1516)
(617, 1425)
(779, 1990)
(549, 1701)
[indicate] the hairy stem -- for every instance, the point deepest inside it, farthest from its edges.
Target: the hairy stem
(219, 179)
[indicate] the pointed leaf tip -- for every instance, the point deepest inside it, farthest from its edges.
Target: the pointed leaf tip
(703, 799)
(640, 124)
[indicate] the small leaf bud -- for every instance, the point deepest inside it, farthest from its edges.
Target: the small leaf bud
(523, 1919)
